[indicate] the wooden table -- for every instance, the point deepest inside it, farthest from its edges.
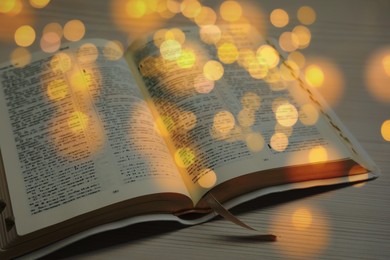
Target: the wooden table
(350, 222)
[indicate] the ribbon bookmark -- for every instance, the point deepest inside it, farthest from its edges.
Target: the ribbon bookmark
(221, 210)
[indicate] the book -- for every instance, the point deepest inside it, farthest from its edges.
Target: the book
(93, 140)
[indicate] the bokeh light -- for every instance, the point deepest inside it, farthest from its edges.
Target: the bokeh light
(298, 58)
(254, 142)
(187, 120)
(184, 157)
(306, 15)
(227, 53)
(113, 50)
(279, 142)
(61, 62)
(206, 16)
(203, 85)
(230, 11)
(210, 34)
(136, 8)
(25, 36)
(296, 226)
(39, 3)
(308, 114)
(7, 6)
(377, 74)
(50, 42)
(57, 89)
(269, 55)
(314, 76)
(190, 8)
(224, 122)
(213, 70)
(318, 154)
(328, 79)
(207, 179)
(87, 53)
(303, 36)
(170, 50)
(53, 28)
(288, 41)
(279, 18)
(187, 59)
(385, 130)
(20, 57)
(74, 30)
(286, 114)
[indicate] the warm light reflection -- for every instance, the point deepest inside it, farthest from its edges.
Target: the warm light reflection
(302, 218)
(254, 142)
(50, 42)
(210, 34)
(308, 114)
(288, 41)
(227, 53)
(57, 89)
(269, 55)
(279, 142)
(190, 8)
(385, 130)
(318, 154)
(279, 18)
(206, 16)
(20, 57)
(377, 74)
(207, 179)
(224, 122)
(39, 3)
(286, 115)
(187, 59)
(230, 11)
(184, 157)
(203, 85)
(113, 50)
(303, 36)
(170, 50)
(296, 226)
(314, 76)
(24, 36)
(358, 173)
(306, 15)
(78, 121)
(164, 125)
(213, 70)
(87, 53)
(74, 30)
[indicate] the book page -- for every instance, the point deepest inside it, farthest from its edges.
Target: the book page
(229, 112)
(77, 135)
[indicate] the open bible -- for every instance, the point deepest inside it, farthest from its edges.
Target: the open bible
(90, 137)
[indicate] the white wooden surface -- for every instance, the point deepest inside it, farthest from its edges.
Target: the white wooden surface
(346, 223)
